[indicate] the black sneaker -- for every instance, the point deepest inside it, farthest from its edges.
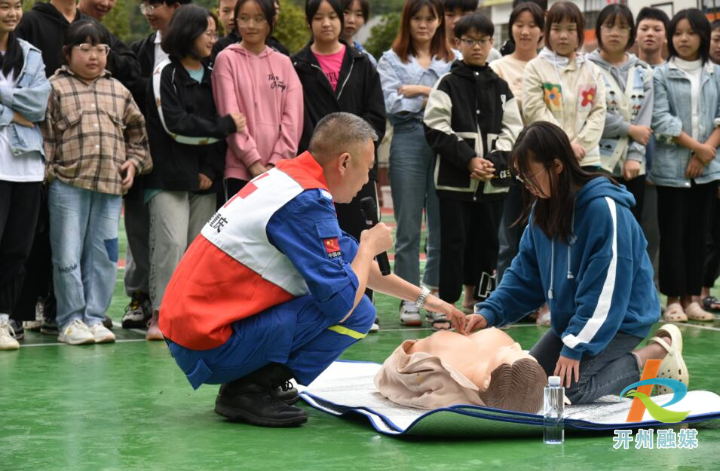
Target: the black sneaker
(49, 324)
(18, 328)
(138, 312)
(107, 322)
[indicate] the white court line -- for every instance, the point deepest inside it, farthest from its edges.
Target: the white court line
(56, 344)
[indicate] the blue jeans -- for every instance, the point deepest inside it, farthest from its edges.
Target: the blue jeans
(296, 334)
(412, 168)
(84, 241)
(604, 374)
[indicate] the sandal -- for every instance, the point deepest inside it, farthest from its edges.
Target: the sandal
(696, 313)
(674, 313)
(439, 321)
(711, 303)
(673, 366)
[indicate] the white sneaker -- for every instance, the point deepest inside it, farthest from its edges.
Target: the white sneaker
(7, 337)
(376, 326)
(101, 334)
(76, 333)
(410, 314)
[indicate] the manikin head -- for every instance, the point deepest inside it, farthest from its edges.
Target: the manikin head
(516, 386)
(343, 146)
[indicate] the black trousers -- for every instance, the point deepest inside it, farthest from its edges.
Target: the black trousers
(684, 220)
(636, 186)
(712, 255)
(468, 247)
(19, 209)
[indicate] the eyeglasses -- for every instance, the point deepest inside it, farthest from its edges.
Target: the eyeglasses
(621, 30)
(212, 35)
(472, 42)
(531, 177)
(87, 49)
(246, 21)
(145, 9)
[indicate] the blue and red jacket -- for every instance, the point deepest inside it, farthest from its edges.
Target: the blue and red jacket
(275, 240)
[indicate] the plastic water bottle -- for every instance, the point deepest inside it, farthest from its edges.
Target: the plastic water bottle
(554, 427)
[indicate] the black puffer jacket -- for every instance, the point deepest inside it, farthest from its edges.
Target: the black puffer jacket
(358, 92)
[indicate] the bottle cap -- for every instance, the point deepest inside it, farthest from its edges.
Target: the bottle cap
(554, 380)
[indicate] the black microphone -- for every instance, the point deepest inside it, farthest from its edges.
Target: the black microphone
(369, 211)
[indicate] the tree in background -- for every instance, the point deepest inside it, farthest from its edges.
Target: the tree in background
(382, 35)
(118, 20)
(292, 30)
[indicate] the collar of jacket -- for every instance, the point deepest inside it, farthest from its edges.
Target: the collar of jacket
(675, 71)
(182, 76)
(306, 55)
(65, 70)
(461, 69)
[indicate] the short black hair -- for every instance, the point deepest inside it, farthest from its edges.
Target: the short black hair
(715, 25)
(186, 25)
(474, 21)
(463, 5)
(650, 13)
(168, 2)
(267, 7)
(565, 11)
(364, 7)
(312, 6)
(609, 15)
(699, 24)
(536, 12)
(541, 3)
(84, 31)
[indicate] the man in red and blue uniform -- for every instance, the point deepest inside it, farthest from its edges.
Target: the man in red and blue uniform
(272, 289)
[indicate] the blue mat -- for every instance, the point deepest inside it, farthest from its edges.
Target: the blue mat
(346, 389)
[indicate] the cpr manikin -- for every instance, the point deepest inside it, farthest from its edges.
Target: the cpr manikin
(486, 368)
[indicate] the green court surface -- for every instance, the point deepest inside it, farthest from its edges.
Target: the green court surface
(127, 406)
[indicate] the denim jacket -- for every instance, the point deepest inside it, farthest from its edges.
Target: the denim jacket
(394, 74)
(672, 115)
(29, 97)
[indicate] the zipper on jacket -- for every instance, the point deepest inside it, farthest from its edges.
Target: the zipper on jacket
(342, 88)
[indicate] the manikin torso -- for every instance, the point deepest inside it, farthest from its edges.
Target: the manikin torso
(476, 355)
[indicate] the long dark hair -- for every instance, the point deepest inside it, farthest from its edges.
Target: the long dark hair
(186, 25)
(403, 45)
(699, 24)
(13, 59)
(544, 143)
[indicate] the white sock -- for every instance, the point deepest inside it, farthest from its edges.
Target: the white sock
(4, 317)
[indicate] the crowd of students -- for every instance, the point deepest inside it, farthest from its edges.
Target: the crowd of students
(178, 122)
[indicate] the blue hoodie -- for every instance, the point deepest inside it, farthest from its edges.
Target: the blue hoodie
(599, 284)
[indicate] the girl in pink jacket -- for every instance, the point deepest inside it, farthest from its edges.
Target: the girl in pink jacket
(254, 79)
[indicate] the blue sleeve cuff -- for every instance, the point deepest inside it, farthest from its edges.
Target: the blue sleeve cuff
(337, 306)
(6, 115)
(408, 105)
(6, 96)
(570, 353)
(489, 316)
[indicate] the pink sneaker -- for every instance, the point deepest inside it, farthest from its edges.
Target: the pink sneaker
(153, 332)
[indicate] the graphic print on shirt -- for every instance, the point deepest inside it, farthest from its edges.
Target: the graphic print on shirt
(553, 96)
(332, 246)
(275, 82)
(587, 96)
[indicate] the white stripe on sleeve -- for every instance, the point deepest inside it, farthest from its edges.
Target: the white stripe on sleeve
(604, 301)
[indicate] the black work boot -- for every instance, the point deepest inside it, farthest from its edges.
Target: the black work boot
(253, 399)
(287, 393)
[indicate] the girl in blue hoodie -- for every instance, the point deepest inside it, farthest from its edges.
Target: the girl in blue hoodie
(584, 254)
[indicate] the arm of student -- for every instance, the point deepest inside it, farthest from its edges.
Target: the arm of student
(395, 102)
(374, 111)
(512, 125)
(519, 292)
(636, 150)
(603, 293)
(533, 98)
(179, 122)
(666, 125)
(291, 124)
(137, 148)
(31, 100)
(591, 132)
(242, 144)
(50, 137)
(438, 129)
